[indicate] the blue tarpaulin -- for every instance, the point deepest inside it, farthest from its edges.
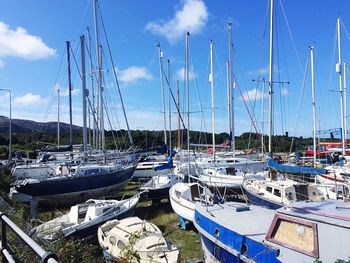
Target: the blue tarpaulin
(291, 169)
(168, 165)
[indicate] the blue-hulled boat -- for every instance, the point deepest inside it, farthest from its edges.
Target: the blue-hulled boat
(303, 232)
(82, 182)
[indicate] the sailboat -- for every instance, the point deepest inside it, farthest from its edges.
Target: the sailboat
(87, 179)
(236, 232)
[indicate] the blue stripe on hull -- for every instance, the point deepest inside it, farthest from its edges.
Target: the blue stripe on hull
(76, 184)
(217, 252)
(233, 241)
(256, 200)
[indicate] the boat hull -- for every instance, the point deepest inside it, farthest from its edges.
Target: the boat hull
(221, 244)
(257, 200)
(79, 187)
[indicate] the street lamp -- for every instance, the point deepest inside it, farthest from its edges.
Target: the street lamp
(10, 127)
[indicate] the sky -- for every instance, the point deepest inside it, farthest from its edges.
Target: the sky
(33, 61)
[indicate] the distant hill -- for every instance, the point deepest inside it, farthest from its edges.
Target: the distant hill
(28, 126)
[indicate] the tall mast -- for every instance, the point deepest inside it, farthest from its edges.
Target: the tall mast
(102, 122)
(188, 102)
(211, 79)
(271, 76)
(345, 107)
(83, 79)
(70, 95)
(231, 92)
(160, 55)
(169, 94)
(228, 97)
(92, 93)
(58, 116)
(99, 77)
(178, 116)
(262, 123)
(339, 71)
(313, 102)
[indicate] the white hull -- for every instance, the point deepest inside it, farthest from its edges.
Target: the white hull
(181, 206)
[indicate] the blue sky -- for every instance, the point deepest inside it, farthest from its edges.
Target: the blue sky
(32, 48)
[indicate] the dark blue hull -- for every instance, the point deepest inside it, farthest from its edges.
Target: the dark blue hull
(230, 246)
(156, 193)
(257, 200)
(74, 186)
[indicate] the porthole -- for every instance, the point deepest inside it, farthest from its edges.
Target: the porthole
(217, 232)
(244, 249)
(198, 220)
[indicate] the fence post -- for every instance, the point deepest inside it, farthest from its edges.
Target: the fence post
(3, 238)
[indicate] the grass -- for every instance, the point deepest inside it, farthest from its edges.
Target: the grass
(88, 250)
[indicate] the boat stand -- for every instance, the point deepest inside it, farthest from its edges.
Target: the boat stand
(182, 223)
(34, 201)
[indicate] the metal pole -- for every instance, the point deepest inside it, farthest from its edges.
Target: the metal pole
(10, 125)
(228, 99)
(188, 103)
(178, 115)
(313, 102)
(160, 54)
(232, 122)
(271, 76)
(262, 124)
(58, 117)
(169, 94)
(102, 122)
(339, 71)
(70, 95)
(83, 79)
(345, 107)
(211, 79)
(92, 93)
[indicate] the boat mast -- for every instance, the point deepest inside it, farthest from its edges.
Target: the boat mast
(231, 92)
(83, 79)
(271, 76)
(178, 115)
(211, 80)
(188, 102)
(169, 94)
(99, 79)
(313, 102)
(160, 55)
(262, 123)
(70, 95)
(345, 107)
(339, 71)
(58, 116)
(92, 93)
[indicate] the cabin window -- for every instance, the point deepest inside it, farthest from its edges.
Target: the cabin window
(277, 192)
(120, 244)
(294, 233)
(269, 189)
(113, 240)
(230, 161)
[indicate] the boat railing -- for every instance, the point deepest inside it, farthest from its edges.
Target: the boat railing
(7, 253)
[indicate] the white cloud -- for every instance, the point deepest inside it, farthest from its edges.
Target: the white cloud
(28, 99)
(192, 17)
(18, 43)
(284, 92)
(254, 94)
(133, 74)
(180, 74)
(262, 71)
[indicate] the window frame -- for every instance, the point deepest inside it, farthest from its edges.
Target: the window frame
(279, 217)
